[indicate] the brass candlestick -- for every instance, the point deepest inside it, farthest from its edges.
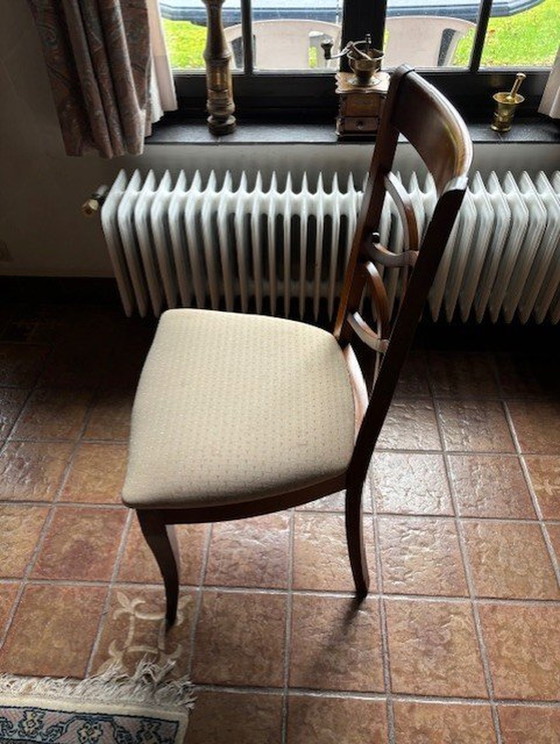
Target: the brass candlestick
(506, 105)
(219, 87)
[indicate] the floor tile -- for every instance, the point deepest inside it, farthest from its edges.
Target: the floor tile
(20, 528)
(517, 721)
(240, 639)
(333, 720)
(446, 723)
(433, 649)
(509, 560)
(333, 502)
(81, 544)
(96, 474)
(110, 416)
(250, 552)
(135, 628)
(8, 594)
(337, 502)
(460, 375)
(76, 364)
(129, 355)
(11, 403)
(51, 413)
(554, 534)
(545, 478)
(410, 483)
(321, 554)
(528, 375)
(410, 424)
(421, 555)
(138, 564)
(523, 645)
(224, 717)
(490, 486)
(21, 364)
(65, 619)
(536, 425)
(474, 426)
(33, 471)
(335, 644)
(413, 379)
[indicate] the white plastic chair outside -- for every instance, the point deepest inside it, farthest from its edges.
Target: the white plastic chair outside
(417, 40)
(285, 44)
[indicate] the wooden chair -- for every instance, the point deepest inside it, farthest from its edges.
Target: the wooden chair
(239, 415)
(285, 43)
(425, 41)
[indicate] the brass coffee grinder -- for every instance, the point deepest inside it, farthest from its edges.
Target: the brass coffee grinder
(362, 92)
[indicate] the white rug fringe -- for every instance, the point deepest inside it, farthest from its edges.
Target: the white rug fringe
(146, 686)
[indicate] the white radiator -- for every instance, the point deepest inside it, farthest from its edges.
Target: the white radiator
(195, 242)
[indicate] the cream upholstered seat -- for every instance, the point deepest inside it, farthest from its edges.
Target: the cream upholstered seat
(235, 407)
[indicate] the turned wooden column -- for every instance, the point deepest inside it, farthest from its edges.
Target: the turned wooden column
(219, 88)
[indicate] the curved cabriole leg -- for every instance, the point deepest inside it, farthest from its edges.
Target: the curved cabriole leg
(163, 544)
(355, 540)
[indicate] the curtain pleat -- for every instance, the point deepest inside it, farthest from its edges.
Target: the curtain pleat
(162, 87)
(100, 64)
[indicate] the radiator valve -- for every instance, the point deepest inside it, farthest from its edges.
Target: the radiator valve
(91, 205)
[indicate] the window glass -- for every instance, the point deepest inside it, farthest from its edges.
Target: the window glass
(184, 26)
(522, 33)
(287, 34)
(430, 33)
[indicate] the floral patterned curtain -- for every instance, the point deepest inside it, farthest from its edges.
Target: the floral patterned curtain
(100, 65)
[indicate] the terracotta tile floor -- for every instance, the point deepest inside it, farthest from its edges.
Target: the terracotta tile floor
(459, 640)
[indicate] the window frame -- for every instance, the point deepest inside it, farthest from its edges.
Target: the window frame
(265, 95)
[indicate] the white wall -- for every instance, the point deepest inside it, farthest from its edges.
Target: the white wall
(41, 189)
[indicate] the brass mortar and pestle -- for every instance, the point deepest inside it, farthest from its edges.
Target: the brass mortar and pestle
(363, 59)
(506, 105)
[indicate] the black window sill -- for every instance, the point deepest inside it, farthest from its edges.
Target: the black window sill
(172, 130)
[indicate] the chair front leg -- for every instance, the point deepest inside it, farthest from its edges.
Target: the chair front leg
(355, 540)
(163, 544)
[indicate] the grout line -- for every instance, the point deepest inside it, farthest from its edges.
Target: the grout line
(199, 596)
(322, 593)
(48, 519)
(78, 505)
(469, 579)
(384, 630)
(474, 608)
(365, 695)
(104, 617)
(536, 505)
(288, 630)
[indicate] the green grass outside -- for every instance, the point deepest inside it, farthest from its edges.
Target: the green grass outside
(185, 43)
(526, 39)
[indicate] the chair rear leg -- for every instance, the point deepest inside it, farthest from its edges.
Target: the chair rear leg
(163, 544)
(355, 539)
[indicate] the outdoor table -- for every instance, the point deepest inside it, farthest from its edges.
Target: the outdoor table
(327, 10)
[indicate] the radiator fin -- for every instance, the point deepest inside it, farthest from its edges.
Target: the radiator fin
(236, 243)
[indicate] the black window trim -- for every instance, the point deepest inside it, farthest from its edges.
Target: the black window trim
(266, 94)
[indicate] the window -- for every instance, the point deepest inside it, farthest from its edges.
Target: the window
(467, 48)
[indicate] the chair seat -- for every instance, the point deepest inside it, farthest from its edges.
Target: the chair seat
(232, 408)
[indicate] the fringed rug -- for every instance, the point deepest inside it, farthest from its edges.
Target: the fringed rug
(112, 708)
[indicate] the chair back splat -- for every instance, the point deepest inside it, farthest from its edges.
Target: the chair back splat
(238, 415)
(428, 121)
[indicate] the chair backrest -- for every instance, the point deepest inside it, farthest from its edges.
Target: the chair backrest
(285, 44)
(435, 40)
(415, 109)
